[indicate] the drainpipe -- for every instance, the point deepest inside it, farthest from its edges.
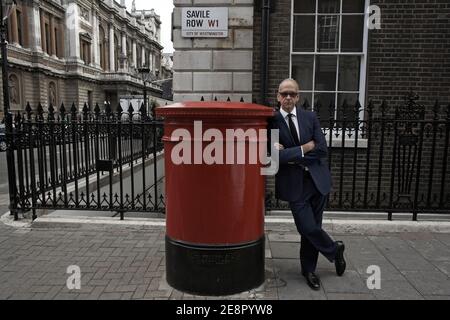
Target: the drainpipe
(264, 50)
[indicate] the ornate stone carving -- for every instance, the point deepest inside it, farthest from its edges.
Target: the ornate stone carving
(52, 93)
(84, 13)
(14, 89)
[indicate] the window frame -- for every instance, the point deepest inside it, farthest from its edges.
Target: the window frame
(316, 52)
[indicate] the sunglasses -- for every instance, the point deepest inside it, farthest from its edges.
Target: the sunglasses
(291, 94)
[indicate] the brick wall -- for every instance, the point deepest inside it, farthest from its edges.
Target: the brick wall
(411, 50)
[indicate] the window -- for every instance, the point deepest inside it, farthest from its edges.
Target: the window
(329, 52)
(85, 48)
(103, 45)
(47, 39)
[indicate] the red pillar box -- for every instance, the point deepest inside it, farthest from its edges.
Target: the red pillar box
(214, 196)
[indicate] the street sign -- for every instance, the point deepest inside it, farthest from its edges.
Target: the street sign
(204, 22)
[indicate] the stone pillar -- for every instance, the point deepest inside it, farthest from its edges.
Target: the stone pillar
(95, 40)
(150, 62)
(112, 60)
(155, 66)
(143, 57)
(43, 35)
(134, 53)
(35, 26)
(215, 67)
(14, 33)
(72, 32)
(52, 36)
(124, 51)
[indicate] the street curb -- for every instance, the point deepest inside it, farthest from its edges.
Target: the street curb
(352, 226)
(337, 226)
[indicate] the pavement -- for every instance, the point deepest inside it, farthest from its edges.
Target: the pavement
(125, 260)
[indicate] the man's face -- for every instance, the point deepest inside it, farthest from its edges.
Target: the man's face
(288, 95)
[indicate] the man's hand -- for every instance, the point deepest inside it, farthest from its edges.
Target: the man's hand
(309, 146)
(278, 146)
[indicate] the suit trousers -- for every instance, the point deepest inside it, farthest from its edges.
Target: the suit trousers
(308, 215)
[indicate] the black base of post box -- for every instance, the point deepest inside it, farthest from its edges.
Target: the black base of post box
(214, 270)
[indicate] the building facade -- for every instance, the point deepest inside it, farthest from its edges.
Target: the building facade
(344, 54)
(79, 51)
(327, 45)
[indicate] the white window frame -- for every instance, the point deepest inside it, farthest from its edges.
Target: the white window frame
(315, 53)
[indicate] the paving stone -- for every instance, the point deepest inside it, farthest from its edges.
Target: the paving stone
(127, 263)
(397, 290)
(350, 296)
(443, 266)
(401, 254)
(429, 283)
(110, 296)
(350, 282)
(437, 297)
(285, 250)
(431, 249)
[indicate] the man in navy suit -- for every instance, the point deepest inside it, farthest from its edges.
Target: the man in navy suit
(304, 180)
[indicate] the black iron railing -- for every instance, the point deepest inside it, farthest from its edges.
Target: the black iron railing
(90, 160)
(385, 158)
(382, 158)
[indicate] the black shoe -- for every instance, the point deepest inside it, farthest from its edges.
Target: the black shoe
(312, 280)
(339, 260)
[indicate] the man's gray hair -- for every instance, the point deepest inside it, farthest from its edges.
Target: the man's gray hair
(289, 80)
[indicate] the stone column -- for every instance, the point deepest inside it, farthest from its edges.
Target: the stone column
(14, 33)
(35, 28)
(143, 56)
(112, 61)
(124, 51)
(150, 62)
(95, 40)
(155, 66)
(52, 36)
(72, 32)
(134, 53)
(43, 35)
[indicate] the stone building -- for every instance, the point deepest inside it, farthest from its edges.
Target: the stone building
(78, 51)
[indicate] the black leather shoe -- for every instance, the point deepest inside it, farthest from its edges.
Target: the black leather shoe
(339, 260)
(312, 280)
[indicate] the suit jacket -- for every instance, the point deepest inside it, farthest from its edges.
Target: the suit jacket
(289, 180)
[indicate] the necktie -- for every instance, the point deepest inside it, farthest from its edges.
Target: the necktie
(293, 129)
